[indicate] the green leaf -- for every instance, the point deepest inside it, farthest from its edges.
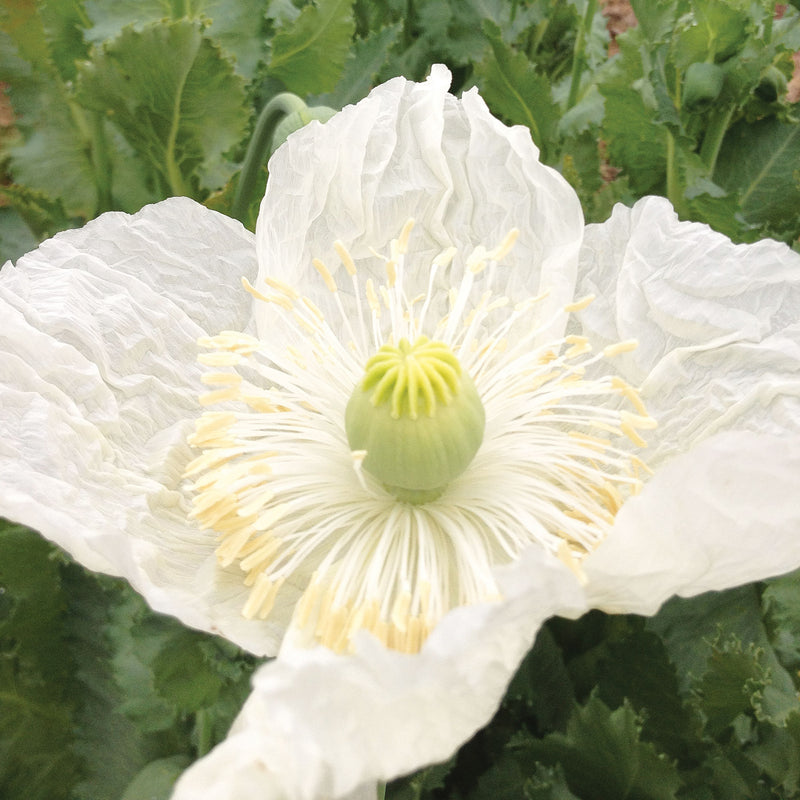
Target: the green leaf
(36, 684)
(16, 236)
(41, 215)
(717, 31)
(503, 780)
(541, 685)
(515, 91)
(186, 689)
(22, 23)
(637, 669)
(137, 636)
(155, 781)
(778, 755)
(656, 20)
(63, 22)
(235, 25)
(420, 784)
(160, 86)
(109, 744)
(310, 55)
(781, 606)
(718, 778)
(54, 156)
(602, 756)
(548, 783)
(733, 677)
(689, 626)
(635, 143)
(760, 160)
(364, 62)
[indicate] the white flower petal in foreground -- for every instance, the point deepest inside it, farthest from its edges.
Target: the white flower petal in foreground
(719, 510)
(98, 371)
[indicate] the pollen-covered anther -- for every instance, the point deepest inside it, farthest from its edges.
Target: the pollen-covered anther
(631, 423)
(232, 341)
(579, 305)
(219, 396)
(626, 346)
(221, 358)
(580, 346)
(282, 287)
(630, 394)
(325, 273)
(211, 430)
(262, 597)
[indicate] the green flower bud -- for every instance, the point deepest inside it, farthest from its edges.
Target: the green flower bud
(418, 416)
(296, 120)
(702, 85)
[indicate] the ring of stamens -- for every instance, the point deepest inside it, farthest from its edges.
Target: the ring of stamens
(291, 502)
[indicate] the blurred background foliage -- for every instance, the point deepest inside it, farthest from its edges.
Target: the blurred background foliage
(117, 104)
(112, 104)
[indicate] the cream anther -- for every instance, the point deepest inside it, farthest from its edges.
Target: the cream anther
(345, 257)
(626, 346)
(580, 305)
(326, 275)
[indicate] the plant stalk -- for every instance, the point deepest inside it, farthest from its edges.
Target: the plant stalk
(578, 60)
(280, 106)
(712, 139)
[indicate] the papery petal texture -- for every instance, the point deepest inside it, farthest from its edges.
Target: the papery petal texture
(412, 150)
(718, 324)
(319, 725)
(100, 383)
(718, 365)
(724, 514)
(719, 511)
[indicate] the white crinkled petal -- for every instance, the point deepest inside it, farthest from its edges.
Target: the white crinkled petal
(723, 514)
(318, 725)
(100, 384)
(717, 323)
(718, 365)
(414, 150)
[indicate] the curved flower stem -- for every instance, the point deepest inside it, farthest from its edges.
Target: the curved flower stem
(280, 106)
(578, 61)
(381, 791)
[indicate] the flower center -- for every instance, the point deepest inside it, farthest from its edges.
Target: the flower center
(415, 455)
(532, 438)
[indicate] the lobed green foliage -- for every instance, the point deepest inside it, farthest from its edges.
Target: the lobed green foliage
(100, 698)
(122, 103)
(118, 104)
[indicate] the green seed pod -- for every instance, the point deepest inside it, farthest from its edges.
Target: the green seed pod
(418, 416)
(702, 85)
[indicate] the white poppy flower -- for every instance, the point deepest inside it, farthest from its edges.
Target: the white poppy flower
(297, 528)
